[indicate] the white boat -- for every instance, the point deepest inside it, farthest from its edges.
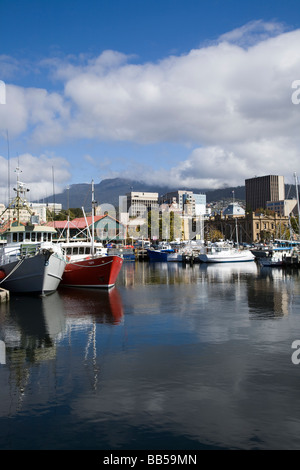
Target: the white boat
(30, 262)
(225, 254)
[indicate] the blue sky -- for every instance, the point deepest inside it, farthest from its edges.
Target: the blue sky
(186, 93)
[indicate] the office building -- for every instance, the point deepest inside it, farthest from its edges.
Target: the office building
(139, 202)
(260, 190)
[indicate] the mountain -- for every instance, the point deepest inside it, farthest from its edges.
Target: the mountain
(109, 190)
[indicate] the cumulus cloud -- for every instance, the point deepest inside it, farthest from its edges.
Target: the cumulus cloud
(38, 173)
(230, 101)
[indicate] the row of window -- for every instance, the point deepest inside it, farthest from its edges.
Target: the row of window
(32, 237)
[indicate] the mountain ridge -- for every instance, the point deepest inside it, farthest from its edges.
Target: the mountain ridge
(109, 190)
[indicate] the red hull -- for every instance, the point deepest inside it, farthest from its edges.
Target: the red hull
(93, 272)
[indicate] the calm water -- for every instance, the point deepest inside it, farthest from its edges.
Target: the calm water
(172, 358)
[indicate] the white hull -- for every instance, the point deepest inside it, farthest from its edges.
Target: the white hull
(227, 256)
(39, 274)
(174, 257)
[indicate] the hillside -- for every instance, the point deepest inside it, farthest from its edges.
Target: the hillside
(109, 190)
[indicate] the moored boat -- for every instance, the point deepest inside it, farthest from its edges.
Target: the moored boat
(30, 262)
(89, 266)
(225, 254)
(88, 263)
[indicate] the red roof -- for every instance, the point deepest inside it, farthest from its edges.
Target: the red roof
(79, 223)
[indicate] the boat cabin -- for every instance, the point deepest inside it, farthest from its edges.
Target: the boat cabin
(29, 234)
(82, 250)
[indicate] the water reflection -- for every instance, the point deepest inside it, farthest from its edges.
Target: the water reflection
(112, 369)
(102, 306)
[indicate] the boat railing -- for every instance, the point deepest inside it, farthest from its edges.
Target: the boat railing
(20, 252)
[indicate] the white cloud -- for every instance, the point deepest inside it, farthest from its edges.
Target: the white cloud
(230, 101)
(37, 172)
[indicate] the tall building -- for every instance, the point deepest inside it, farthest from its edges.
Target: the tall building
(138, 202)
(193, 204)
(262, 189)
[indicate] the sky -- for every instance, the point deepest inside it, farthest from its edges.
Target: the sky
(186, 93)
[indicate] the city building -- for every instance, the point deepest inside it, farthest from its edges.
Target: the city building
(251, 228)
(263, 189)
(284, 207)
(234, 210)
(188, 202)
(106, 228)
(139, 202)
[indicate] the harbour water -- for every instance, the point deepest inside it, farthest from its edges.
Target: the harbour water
(174, 357)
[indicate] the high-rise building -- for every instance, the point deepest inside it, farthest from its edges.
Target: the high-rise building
(139, 202)
(260, 190)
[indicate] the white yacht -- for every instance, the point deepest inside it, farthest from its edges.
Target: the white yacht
(225, 254)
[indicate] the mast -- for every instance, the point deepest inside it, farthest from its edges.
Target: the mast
(93, 217)
(297, 196)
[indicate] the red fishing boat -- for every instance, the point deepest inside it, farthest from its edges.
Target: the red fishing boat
(89, 266)
(88, 263)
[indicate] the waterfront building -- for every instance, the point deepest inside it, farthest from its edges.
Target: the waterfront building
(234, 210)
(252, 227)
(284, 207)
(188, 202)
(138, 202)
(200, 204)
(54, 207)
(106, 228)
(260, 190)
(38, 210)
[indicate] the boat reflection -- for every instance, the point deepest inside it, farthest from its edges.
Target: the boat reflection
(158, 273)
(226, 271)
(31, 327)
(101, 306)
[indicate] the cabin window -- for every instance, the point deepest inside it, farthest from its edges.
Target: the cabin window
(81, 250)
(69, 251)
(20, 237)
(27, 235)
(44, 237)
(33, 237)
(38, 237)
(15, 237)
(88, 250)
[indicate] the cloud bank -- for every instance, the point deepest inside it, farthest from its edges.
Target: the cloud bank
(228, 101)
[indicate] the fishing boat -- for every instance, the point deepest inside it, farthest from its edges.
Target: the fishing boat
(279, 253)
(88, 262)
(89, 266)
(30, 261)
(160, 253)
